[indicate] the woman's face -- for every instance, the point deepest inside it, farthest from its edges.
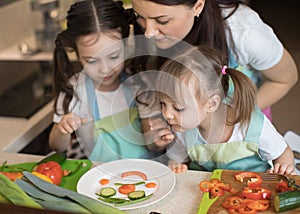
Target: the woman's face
(166, 25)
(103, 59)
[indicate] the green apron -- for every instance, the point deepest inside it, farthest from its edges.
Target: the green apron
(230, 155)
(116, 136)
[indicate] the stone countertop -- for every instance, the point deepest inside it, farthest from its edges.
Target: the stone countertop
(184, 198)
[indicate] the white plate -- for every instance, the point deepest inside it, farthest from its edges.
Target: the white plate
(156, 172)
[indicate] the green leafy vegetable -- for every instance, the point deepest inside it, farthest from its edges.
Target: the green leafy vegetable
(15, 194)
(49, 201)
(91, 204)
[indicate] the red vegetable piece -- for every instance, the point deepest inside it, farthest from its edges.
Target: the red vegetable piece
(127, 188)
(52, 170)
(138, 173)
(260, 205)
(205, 186)
(12, 175)
(253, 179)
(216, 191)
(257, 193)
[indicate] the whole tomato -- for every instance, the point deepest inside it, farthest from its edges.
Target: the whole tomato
(52, 170)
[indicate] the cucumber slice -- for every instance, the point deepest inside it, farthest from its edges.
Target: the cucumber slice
(285, 201)
(136, 194)
(107, 192)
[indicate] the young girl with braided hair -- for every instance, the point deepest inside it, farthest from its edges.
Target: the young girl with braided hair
(95, 102)
(209, 129)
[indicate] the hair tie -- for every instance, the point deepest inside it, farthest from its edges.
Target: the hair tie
(224, 69)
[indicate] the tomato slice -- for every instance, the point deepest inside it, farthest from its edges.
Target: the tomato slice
(127, 188)
(253, 179)
(260, 205)
(256, 193)
(138, 173)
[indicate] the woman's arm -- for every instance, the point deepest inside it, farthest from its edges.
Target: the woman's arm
(278, 81)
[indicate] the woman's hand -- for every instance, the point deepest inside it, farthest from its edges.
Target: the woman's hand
(70, 123)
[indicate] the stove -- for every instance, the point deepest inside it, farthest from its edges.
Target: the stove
(24, 98)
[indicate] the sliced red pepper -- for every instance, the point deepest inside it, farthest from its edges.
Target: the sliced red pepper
(246, 210)
(283, 186)
(232, 202)
(215, 180)
(216, 191)
(256, 193)
(259, 205)
(205, 186)
(253, 179)
(224, 186)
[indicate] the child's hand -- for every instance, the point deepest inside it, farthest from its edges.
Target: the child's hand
(177, 167)
(162, 134)
(282, 168)
(70, 123)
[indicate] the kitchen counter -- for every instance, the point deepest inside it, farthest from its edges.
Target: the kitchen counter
(16, 133)
(185, 197)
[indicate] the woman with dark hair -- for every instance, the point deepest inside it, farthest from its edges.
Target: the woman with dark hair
(231, 27)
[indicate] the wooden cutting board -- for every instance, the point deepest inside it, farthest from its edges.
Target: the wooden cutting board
(227, 177)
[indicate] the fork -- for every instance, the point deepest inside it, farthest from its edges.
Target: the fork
(280, 177)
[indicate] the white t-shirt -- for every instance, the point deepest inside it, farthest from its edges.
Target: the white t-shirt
(109, 103)
(254, 44)
(271, 144)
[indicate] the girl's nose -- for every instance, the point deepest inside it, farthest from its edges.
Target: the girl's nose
(150, 29)
(168, 115)
(105, 68)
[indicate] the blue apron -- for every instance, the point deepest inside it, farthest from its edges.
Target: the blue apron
(116, 136)
(230, 155)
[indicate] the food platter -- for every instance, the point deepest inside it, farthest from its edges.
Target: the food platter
(156, 172)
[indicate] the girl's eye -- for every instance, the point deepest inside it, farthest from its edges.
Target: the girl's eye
(179, 109)
(91, 61)
(161, 22)
(115, 56)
